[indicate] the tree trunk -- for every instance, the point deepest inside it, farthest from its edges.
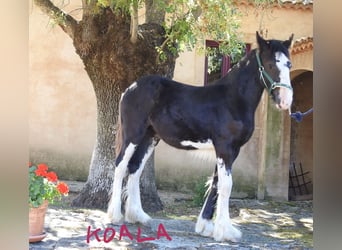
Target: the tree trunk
(113, 63)
(95, 194)
(148, 188)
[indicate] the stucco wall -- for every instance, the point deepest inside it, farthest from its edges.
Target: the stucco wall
(278, 22)
(62, 107)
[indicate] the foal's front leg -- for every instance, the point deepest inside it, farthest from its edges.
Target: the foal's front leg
(223, 229)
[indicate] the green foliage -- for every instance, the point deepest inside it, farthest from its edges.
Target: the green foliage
(58, 19)
(261, 3)
(215, 54)
(189, 22)
(124, 5)
(200, 192)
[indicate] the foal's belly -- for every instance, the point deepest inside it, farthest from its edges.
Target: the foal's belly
(201, 144)
(186, 142)
(180, 132)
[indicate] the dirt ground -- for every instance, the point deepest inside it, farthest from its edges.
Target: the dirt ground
(264, 224)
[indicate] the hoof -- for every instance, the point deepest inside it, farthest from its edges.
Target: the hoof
(226, 232)
(117, 219)
(114, 215)
(204, 227)
(138, 216)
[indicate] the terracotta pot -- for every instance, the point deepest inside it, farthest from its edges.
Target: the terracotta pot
(36, 222)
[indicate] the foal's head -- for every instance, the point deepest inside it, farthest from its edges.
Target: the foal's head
(274, 66)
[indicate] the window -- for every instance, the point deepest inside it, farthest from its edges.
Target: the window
(216, 64)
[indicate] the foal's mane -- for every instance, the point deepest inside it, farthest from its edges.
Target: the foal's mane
(278, 46)
(274, 46)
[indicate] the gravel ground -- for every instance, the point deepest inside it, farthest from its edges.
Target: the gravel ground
(264, 224)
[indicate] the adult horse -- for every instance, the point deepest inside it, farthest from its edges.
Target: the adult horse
(187, 117)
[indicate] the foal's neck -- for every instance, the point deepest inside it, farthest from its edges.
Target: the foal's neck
(244, 81)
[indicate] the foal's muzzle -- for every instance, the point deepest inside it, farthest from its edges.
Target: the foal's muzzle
(282, 97)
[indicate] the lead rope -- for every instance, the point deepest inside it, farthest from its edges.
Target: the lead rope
(298, 116)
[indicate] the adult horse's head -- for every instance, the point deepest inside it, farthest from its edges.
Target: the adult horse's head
(274, 65)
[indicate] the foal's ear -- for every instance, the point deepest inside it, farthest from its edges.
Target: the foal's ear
(288, 43)
(261, 41)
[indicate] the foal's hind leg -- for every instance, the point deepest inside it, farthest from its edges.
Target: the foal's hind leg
(205, 225)
(114, 208)
(134, 211)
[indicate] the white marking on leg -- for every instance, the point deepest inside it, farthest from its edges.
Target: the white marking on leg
(223, 229)
(114, 208)
(134, 211)
(208, 144)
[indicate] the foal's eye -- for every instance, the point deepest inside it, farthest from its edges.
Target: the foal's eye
(277, 60)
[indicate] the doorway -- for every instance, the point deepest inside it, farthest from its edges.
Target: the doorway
(301, 147)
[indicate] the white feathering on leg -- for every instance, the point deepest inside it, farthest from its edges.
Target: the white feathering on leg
(223, 229)
(114, 207)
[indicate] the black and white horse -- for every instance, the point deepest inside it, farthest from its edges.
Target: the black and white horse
(189, 117)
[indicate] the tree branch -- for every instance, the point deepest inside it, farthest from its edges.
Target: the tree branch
(134, 22)
(65, 21)
(88, 7)
(154, 12)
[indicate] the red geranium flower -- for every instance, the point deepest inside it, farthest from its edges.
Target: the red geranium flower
(42, 170)
(51, 176)
(44, 185)
(63, 188)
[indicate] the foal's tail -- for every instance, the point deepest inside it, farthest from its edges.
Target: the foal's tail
(118, 137)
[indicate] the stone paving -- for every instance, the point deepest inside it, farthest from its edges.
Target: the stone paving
(265, 225)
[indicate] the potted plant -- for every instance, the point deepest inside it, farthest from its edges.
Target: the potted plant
(44, 188)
